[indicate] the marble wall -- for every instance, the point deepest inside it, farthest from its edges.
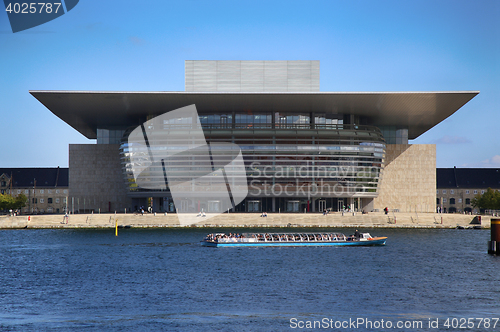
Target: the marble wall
(409, 179)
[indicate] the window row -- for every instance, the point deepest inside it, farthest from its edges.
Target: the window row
(50, 200)
(267, 117)
(42, 191)
(467, 192)
(453, 201)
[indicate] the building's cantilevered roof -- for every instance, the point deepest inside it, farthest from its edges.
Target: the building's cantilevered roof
(88, 110)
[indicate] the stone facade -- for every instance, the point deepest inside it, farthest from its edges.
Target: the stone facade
(44, 200)
(456, 187)
(451, 200)
(42, 197)
(409, 179)
(96, 181)
(457, 199)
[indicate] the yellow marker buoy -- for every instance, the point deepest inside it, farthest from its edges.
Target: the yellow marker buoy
(116, 227)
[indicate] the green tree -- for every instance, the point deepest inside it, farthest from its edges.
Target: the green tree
(20, 201)
(6, 202)
(490, 200)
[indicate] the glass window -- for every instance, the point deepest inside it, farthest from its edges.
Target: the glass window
(460, 200)
(467, 192)
(444, 191)
(57, 191)
(328, 119)
(467, 201)
(402, 136)
(18, 192)
(444, 200)
(102, 136)
(452, 201)
(49, 191)
(437, 201)
(482, 192)
(26, 192)
(452, 191)
(291, 120)
(394, 135)
(64, 199)
(49, 200)
(319, 119)
(41, 200)
(253, 118)
(41, 191)
(57, 200)
(65, 191)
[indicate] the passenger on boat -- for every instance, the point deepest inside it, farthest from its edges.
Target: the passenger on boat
(356, 234)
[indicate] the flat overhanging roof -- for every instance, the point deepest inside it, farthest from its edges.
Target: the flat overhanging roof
(88, 110)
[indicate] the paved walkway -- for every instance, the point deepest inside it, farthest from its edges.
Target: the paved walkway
(393, 220)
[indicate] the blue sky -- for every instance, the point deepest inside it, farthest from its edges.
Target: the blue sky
(362, 45)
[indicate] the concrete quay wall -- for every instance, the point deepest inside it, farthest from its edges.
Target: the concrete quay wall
(393, 220)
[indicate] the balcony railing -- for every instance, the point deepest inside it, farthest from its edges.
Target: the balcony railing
(287, 126)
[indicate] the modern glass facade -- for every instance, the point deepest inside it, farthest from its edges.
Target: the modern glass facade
(395, 134)
(293, 161)
(107, 136)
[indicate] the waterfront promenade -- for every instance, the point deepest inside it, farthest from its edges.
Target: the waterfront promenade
(375, 219)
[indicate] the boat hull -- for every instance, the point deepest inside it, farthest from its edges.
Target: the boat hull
(379, 241)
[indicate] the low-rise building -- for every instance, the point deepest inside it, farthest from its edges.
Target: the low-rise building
(45, 188)
(456, 187)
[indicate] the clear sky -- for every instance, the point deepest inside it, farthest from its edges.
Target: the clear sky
(371, 45)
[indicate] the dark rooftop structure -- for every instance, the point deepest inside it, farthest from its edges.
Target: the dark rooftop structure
(46, 177)
(468, 178)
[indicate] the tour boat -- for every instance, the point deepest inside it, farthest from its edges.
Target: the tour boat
(291, 239)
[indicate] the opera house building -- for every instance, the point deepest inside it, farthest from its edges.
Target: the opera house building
(304, 150)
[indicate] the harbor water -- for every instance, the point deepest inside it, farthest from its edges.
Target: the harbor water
(164, 280)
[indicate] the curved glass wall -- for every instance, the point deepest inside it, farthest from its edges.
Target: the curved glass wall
(343, 161)
(286, 155)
